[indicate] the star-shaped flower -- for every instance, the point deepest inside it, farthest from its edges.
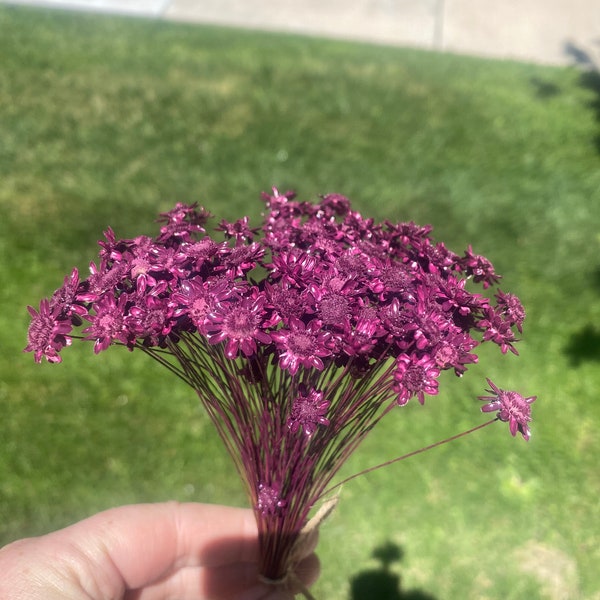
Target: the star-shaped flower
(512, 408)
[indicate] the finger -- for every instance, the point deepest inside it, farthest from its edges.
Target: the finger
(136, 545)
(239, 582)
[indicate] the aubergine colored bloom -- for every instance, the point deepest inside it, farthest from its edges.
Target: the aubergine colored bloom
(269, 501)
(239, 325)
(512, 309)
(480, 268)
(308, 411)
(512, 408)
(108, 324)
(297, 336)
(415, 377)
(302, 345)
(64, 300)
(47, 334)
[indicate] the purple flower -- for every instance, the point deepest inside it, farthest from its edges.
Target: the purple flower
(407, 235)
(108, 324)
(456, 299)
(269, 501)
(240, 230)
(453, 352)
(333, 304)
(511, 407)
(141, 269)
(364, 337)
(200, 253)
(64, 300)
(480, 268)
(512, 309)
(334, 205)
(238, 323)
(104, 278)
(302, 345)
(182, 222)
(436, 258)
(47, 333)
(243, 258)
(415, 377)
(308, 411)
(111, 249)
(399, 320)
(293, 267)
(286, 302)
(498, 329)
(195, 298)
(149, 319)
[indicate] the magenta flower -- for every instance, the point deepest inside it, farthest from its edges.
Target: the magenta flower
(364, 336)
(102, 279)
(108, 324)
(302, 345)
(512, 408)
(269, 501)
(47, 334)
(512, 309)
(480, 268)
(239, 324)
(498, 328)
(182, 222)
(64, 300)
(150, 319)
(415, 377)
(308, 411)
(240, 230)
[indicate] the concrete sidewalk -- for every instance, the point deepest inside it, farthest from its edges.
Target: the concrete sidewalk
(544, 31)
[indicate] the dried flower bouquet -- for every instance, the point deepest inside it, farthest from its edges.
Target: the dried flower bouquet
(297, 341)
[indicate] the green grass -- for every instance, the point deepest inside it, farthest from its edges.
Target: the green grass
(107, 121)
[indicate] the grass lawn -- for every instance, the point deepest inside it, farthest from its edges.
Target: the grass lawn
(107, 121)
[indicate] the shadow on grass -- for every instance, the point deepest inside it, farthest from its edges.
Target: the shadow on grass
(382, 583)
(589, 78)
(584, 345)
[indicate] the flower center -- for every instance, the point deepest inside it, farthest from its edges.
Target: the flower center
(198, 309)
(516, 406)
(413, 378)
(40, 331)
(240, 323)
(301, 344)
(109, 323)
(334, 309)
(139, 267)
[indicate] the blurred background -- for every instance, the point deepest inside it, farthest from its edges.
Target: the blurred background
(108, 119)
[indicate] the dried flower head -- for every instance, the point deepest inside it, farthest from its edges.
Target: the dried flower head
(308, 411)
(511, 408)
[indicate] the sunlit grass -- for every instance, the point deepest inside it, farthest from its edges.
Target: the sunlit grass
(107, 121)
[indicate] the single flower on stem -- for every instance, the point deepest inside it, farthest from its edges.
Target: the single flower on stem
(511, 408)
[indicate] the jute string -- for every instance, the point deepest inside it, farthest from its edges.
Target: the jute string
(305, 541)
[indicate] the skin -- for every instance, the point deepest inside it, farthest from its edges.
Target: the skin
(147, 552)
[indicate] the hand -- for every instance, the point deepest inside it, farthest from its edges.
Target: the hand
(145, 552)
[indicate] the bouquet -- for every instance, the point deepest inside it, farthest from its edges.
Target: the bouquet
(297, 337)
